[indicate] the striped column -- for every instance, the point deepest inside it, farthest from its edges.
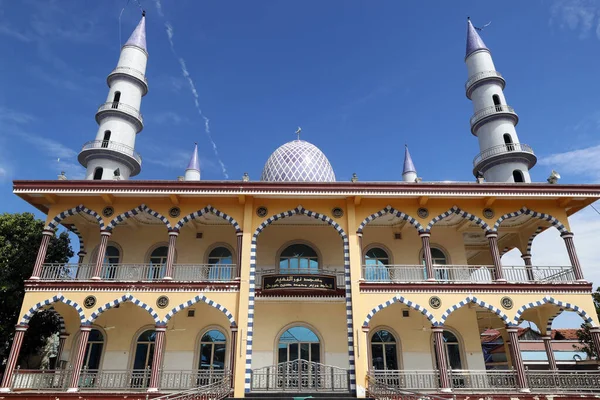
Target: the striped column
(425, 238)
(61, 345)
(240, 236)
(157, 358)
(595, 333)
(517, 359)
(442, 362)
(549, 352)
(527, 259)
(13, 357)
(104, 236)
(493, 241)
(81, 254)
(171, 255)
(568, 238)
(47, 234)
(232, 353)
(84, 334)
(359, 236)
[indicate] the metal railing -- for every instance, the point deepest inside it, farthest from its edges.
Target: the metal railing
(564, 381)
(205, 272)
(464, 273)
(66, 272)
(127, 109)
(484, 380)
(480, 76)
(112, 145)
(213, 391)
(394, 273)
(114, 379)
(45, 379)
(529, 273)
(130, 71)
(502, 149)
(300, 376)
(338, 273)
(180, 380)
(486, 112)
(416, 380)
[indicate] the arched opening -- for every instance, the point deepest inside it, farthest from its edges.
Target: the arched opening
(221, 265)
(497, 102)
(508, 142)
(93, 351)
(158, 261)
(213, 347)
(518, 176)
(384, 351)
(376, 264)
(299, 258)
(298, 343)
(439, 260)
(106, 139)
(112, 258)
(116, 99)
(98, 173)
(453, 350)
(142, 360)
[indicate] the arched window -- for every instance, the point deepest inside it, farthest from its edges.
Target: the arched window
(221, 264)
(384, 351)
(212, 350)
(508, 141)
(376, 265)
(158, 260)
(144, 353)
(518, 176)
(497, 103)
(106, 139)
(116, 99)
(438, 258)
(452, 349)
(98, 173)
(93, 350)
(298, 258)
(112, 257)
(298, 343)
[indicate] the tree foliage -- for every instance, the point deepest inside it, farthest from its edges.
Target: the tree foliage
(20, 237)
(584, 335)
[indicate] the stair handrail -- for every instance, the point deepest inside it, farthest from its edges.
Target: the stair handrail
(213, 391)
(373, 383)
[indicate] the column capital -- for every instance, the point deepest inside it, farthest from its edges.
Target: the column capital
(63, 335)
(240, 233)
(233, 328)
(566, 235)
(512, 329)
(546, 337)
(424, 234)
(160, 328)
(359, 234)
(173, 232)
(490, 234)
(437, 329)
(105, 233)
(21, 328)
(526, 256)
(366, 328)
(595, 329)
(84, 328)
(48, 232)
(82, 253)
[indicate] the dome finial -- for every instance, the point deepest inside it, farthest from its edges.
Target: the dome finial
(298, 131)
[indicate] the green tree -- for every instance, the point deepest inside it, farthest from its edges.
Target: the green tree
(20, 237)
(584, 335)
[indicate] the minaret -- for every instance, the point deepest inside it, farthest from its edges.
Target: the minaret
(112, 154)
(192, 172)
(503, 158)
(409, 173)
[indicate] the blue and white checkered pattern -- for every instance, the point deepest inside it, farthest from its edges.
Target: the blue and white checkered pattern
(456, 210)
(532, 237)
(122, 299)
(551, 300)
(75, 210)
(200, 298)
(534, 214)
(403, 300)
(59, 297)
(141, 208)
(206, 210)
(551, 320)
(250, 331)
(392, 211)
(481, 303)
(80, 236)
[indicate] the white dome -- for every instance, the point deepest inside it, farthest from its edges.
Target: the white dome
(298, 161)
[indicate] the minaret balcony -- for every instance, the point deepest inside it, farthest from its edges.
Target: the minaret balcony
(502, 153)
(111, 150)
(122, 109)
(477, 79)
(489, 113)
(128, 72)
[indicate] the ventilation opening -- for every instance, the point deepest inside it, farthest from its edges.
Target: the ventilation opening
(508, 141)
(106, 139)
(518, 176)
(98, 173)
(405, 313)
(116, 100)
(191, 313)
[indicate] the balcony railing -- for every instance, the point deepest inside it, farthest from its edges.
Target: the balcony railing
(112, 145)
(522, 273)
(464, 273)
(205, 272)
(34, 379)
(125, 108)
(338, 273)
(487, 112)
(481, 76)
(179, 380)
(129, 71)
(502, 149)
(66, 272)
(394, 273)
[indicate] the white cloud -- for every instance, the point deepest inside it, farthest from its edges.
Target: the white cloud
(8, 115)
(581, 16)
(169, 117)
(583, 162)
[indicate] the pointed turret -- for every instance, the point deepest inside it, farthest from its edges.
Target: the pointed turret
(138, 37)
(409, 173)
(474, 41)
(192, 172)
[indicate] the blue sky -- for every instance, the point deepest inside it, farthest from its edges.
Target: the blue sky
(361, 79)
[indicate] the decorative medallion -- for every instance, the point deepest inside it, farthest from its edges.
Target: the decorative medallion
(488, 213)
(423, 212)
(108, 211)
(337, 212)
(174, 212)
(89, 302)
(506, 302)
(435, 302)
(262, 212)
(162, 302)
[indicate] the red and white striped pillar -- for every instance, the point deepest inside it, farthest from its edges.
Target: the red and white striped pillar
(171, 254)
(41, 256)
(81, 255)
(493, 241)
(568, 238)
(527, 260)
(549, 352)
(517, 359)
(595, 333)
(232, 352)
(62, 338)
(442, 362)
(104, 236)
(13, 357)
(84, 334)
(240, 237)
(157, 358)
(425, 239)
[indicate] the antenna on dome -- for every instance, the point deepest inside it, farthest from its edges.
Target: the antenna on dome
(298, 132)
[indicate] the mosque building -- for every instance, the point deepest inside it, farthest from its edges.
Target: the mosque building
(299, 283)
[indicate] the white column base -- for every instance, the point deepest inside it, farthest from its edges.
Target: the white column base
(502, 280)
(446, 390)
(167, 278)
(578, 280)
(72, 390)
(4, 390)
(152, 390)
(431, 279)
(96, 278)
(526, 390)
(34, 278)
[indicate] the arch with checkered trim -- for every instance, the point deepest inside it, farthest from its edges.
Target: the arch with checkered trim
(465, 215)
(561, 304)
(135, 211)
(206, 210)
(199, 299)
(54, 299)
(400, 299)
(534, 214)
(72, 211)
(481, 303)
(252, 286)
(539, 230)
(391, 211)
(74, 229)
(122, 299)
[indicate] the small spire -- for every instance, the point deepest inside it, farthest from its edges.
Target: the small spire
(409, 173)
(474, 41)
(138, 37)
(192, 172)
(298, 131)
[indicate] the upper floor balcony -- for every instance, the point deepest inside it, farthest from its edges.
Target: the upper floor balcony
(102, 147)
(115, 107)
(488, 113)
(485, 76)
(490, 156)
(130, 73)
